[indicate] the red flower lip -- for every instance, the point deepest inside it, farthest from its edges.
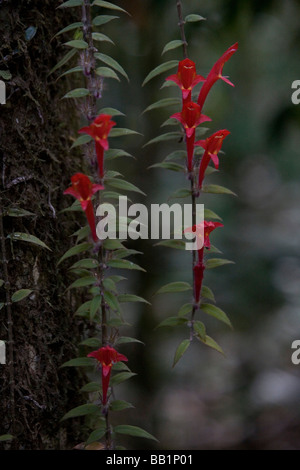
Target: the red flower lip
(186, 78)
(83, 189)
(107, 356)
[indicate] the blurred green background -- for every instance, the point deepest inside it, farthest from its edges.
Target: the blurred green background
(249, 399)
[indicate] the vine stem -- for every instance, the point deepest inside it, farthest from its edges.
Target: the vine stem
(9, 327)
(181, 24)
(94, 85)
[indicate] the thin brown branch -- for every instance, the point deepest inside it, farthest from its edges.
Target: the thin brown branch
(181, 24)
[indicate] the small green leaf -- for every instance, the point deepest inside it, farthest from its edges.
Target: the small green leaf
(20, 295)
(72, 26)
(87, 263)
(121, 132)
(95, 306)
(91, 387)
(208, 214)
(77, 93)
(124, 264)
(174, 287)
(82, 410)
(207, 293)
(121, 377)
(25, 237)
(16, 212)
(108, 5)
(181, 350)
(216, 262)
(6, 437)
(160, 69)
(112, 301)
(76, 69)
(215, 312)
(172, 45)
(110, 244)
(181, 193)
(101, 37)
(124, 185)
(112, 63)
(177, 155)
(211, 343)
(77, 44)
(127, 339)
(107, 72)
(5, 74)
(84, 308)
(185, 309)
(177, 244)
(96, 435)
(200, 330)
(133, 431)
(168, 166)
(83, 282)
(92, 342)
(75, 250)
(112, 112)
(119, 405)
(216, 189)
(163, 103)
(83, 139)
(80, 362)
(193, 17)
(172, 321)
(64, 60)
(131, 298)
(164, 137)
(71, 3)
(103, 19)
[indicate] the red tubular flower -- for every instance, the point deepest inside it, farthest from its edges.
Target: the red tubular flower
(186, 78)
(83, 189)
(215, 74)
(107, 356)
(212, 146)
(190, 117)
(99, 130)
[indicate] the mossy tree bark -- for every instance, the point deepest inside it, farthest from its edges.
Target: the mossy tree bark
(41, 331)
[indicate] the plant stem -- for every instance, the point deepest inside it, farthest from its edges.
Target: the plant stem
(181, 24)
(9, 327)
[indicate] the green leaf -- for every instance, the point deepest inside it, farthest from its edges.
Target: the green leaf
(133, 431)
(172, 321)
(16, 212)
(160, 69)
(87, 263)
(92, 342)
(131, 298)
(181, 193)
(83, 139)
(25, 237)
(177, 244)
(82, 410)
(110, 244)
(84, 308)
(193, 17)
(64, 60)
(124, 264)
(101, 37)
(108, 5)
(164, 137)
(121, 131)
(127, 339)
(75, 250)
(200, 330)
(181, 350)
(95, 306)
(96, 435)
(174, 287)
(216, 312)
(211, 343)
(112, 63)
(6, 437)
(168, 166)
(76, 69)
(163, 103)
(91, 387)
(112, 301)
(83, 282)
(112, 112)
(80, 362)
(77, 44)
(107, 72)
(208, 214)
(121, 377)
(216, 189)
(72, 26)
(5, 74)
(20, 295)
(119, 405)
(71, 3)
(216, 262)
(103, 19)
(185, 309)
(124, 185)
(77, 93)
(172, 45)
(207, 293)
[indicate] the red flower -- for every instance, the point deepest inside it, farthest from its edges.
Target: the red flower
(198, 279)
(190, 117)
(212, 146)
(107, 356)
(99, 130)
(215, 74)
(83, 189)
(186, 78)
